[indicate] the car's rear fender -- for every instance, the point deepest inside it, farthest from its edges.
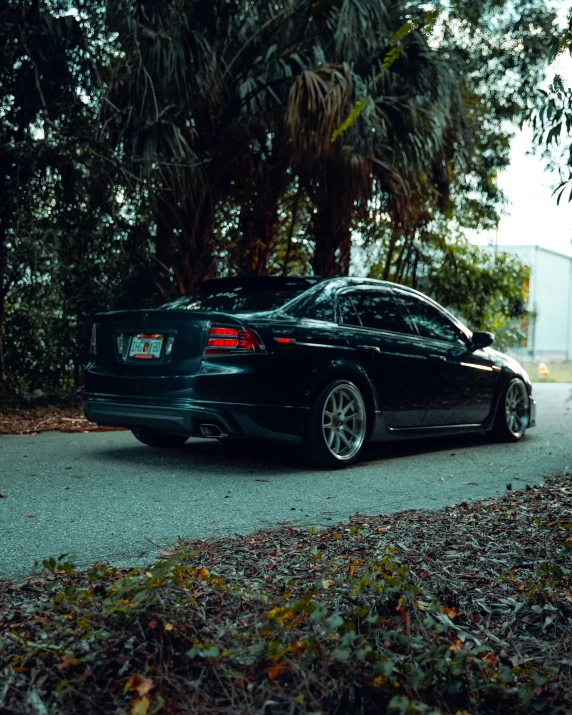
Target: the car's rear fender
(337, 369)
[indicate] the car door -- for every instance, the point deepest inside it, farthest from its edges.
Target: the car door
(462, 380)
(377, 328)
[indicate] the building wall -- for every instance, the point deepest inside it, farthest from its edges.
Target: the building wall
(550, 301)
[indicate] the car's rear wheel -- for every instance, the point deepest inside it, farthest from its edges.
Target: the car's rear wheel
(154, 438)
(513, 413)
(337, 426)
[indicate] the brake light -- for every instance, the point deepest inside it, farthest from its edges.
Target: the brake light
(222, 338)
(248, 340)
(222, 341)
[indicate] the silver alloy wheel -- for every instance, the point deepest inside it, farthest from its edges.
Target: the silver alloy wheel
(344, 421)
(517, 408)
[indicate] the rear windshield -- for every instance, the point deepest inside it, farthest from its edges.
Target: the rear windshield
(238, 298)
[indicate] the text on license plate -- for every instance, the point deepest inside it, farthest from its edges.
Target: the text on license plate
(146, 346)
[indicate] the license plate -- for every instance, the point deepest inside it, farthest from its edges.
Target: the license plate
(146, 347)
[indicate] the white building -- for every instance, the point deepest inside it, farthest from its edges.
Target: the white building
(549, 303)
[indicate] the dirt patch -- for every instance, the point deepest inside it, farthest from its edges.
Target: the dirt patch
(47, 419)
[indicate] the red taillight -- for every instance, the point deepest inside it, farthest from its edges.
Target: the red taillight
(248, 340)
(222, 338)
(225, 340)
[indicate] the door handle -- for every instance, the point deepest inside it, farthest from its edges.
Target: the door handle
(438, 357)
(369, 348)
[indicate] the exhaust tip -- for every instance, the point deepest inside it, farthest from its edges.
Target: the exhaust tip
(212, 431)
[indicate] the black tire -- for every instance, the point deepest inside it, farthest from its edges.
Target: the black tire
(315, 449)
(513, 412)
(153, 438)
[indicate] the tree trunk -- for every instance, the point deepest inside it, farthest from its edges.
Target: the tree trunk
(259, 216)
(291, 235)
(257, 234)
(332, 252)
(389, 258)
(185, 242)
(335, 201)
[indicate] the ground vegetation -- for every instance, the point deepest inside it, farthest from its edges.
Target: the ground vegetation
(462, 610)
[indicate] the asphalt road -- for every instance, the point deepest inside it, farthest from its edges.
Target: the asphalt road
(104, 496)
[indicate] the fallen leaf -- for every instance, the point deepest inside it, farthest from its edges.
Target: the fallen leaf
(275, 670)
(203, 573)
(68, 661)
(139, 685)
(140, 706)
(63, 489)
(490, 658)
(144, 687)
(449, 612)
(297, 647)
(30, 515)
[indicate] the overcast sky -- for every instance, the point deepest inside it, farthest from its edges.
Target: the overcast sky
(533, 218)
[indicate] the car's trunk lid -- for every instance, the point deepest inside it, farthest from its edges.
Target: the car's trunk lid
(156, 341)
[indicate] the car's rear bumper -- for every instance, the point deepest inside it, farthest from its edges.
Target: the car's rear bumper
(279, 424)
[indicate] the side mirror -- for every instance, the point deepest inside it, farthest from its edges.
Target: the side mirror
(481, 339)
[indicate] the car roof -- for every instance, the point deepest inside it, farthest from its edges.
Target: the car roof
(216, 285)
(373, 282)
(285, 282)
(260, 283)
(296, 283)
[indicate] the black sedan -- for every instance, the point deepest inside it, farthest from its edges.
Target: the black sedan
(326, 364)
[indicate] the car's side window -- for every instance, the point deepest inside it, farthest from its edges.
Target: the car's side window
(376, 309)
(347, 310)
(317, 306)
(430, 322)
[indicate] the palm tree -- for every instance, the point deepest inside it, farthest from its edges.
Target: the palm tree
(400, 148)
(192, 109)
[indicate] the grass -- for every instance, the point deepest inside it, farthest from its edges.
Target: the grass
(557, 371)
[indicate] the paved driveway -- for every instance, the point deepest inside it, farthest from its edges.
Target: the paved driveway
(104, 496)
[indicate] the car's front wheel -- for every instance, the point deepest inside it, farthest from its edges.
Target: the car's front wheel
(153, 438)
(513, 413)
(337, 426)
